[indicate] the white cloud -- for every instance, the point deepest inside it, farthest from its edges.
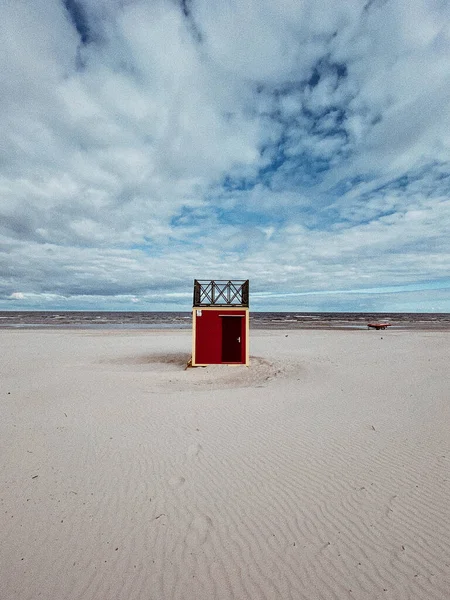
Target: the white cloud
(303, 145)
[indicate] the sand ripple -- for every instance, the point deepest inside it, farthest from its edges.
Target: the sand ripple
(321, 472)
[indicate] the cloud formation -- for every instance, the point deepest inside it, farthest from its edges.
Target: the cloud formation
(301, 145)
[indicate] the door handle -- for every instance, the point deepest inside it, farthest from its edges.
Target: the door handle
(239, 339)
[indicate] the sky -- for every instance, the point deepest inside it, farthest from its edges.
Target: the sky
(301, 144)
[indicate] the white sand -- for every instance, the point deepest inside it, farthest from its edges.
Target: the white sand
(320, 472)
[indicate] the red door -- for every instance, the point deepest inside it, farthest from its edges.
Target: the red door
(232, 339)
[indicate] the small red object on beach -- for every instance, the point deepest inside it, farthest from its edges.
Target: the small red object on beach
(378, 325)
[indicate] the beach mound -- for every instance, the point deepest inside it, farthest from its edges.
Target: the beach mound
(172, 372)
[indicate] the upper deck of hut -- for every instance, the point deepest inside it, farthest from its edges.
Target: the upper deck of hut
(221, 292)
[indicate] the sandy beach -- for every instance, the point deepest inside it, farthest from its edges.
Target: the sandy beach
(322, 471)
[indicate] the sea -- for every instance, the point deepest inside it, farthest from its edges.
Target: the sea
(183, 320)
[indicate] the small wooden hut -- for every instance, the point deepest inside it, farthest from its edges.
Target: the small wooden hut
(220, 322)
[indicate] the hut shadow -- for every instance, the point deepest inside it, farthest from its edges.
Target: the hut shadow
(170, 359)
(176, 358)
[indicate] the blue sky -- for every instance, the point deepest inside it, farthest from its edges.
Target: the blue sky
(304, 145)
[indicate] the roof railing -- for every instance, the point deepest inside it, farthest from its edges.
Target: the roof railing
(234, 292)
